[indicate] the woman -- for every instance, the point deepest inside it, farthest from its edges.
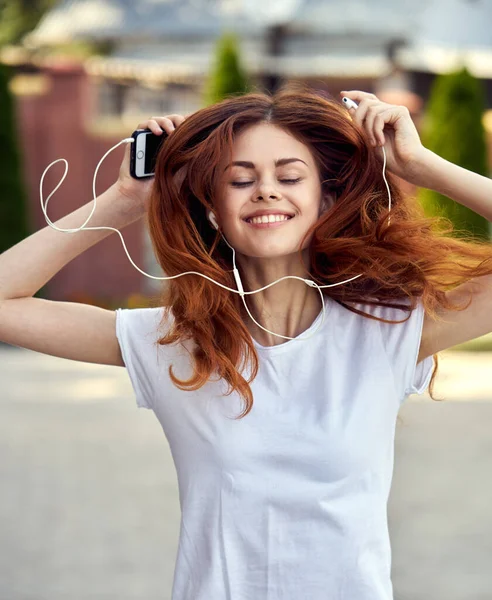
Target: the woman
(286, 499)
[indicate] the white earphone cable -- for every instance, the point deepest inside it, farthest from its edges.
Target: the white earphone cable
(237, 277)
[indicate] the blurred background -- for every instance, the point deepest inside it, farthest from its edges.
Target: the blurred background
(83, 517)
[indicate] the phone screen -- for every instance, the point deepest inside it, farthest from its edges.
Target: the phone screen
(152, 145)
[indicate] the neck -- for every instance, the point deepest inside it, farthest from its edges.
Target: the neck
(287, 308)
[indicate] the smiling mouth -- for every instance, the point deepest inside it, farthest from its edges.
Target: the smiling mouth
(268, 224)
(248, 220)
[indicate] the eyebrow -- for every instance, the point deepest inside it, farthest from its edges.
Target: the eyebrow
(249, 165)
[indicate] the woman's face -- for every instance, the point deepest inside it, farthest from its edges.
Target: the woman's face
(278, 174)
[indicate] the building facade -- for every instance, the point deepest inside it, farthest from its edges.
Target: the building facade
(162, 53)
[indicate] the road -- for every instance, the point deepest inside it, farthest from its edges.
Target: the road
(89, 504)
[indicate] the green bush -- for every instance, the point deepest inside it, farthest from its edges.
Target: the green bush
(227, 77)
(18, 17)
(453, 129)
(13, 196)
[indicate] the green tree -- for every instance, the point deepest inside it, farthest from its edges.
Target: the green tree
(227, 76)
(453, 128)
(18, 17)
(13, 196)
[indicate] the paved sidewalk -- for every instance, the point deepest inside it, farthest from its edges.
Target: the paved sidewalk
(89, 504)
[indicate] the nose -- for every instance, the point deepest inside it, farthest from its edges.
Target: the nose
(267, 191)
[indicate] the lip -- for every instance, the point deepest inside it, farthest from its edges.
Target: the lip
(268, 211)
(268, 225)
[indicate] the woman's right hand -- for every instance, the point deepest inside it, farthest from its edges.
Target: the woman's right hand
(138, 190)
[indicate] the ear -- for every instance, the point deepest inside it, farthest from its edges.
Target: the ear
(327, 202)
(180, 175)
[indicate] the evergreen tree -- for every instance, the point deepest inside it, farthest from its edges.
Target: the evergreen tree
(13, 196)
(453, 129)
(227, 77)
(18, 17)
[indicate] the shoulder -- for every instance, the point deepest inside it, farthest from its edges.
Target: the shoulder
(143, 323)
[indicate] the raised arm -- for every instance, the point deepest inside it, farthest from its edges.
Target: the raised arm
(66, 329)
(69, 329)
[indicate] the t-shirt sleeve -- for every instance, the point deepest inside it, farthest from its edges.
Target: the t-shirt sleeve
(402, 344)
(137, 332)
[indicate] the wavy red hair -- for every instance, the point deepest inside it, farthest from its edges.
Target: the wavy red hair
(412, 257)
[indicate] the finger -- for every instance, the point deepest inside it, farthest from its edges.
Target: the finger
(390, 116)
(378, 129)
(361, 114)
(179, 119)
(152, 125)
(125, 163)
(165, 123)
(173, 120)
(358, 114)
(359, 95)
(374, 119)
(176, 119)
(126, 156)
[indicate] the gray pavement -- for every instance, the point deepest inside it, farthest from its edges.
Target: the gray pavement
(89, 504)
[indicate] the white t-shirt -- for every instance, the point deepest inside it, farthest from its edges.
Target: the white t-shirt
(290, 501)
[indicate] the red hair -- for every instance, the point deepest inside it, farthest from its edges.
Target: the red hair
(412, 257)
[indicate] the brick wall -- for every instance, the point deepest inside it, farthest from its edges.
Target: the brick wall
(53, 125)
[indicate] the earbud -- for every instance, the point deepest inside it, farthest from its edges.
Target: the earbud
(349, 103)
(213, 220)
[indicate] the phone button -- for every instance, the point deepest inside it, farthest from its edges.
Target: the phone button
(140, 154)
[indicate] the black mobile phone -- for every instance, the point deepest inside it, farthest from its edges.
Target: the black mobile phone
(143, 152)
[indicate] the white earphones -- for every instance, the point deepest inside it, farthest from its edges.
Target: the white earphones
(211, 216)
(349, 103)
(213, 220)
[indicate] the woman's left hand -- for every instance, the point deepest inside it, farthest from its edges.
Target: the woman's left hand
(391, 126)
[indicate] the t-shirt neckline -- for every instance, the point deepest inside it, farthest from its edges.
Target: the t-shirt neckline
(298, 339)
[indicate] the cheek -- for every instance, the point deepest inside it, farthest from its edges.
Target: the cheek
(230, 217)
(233, 204)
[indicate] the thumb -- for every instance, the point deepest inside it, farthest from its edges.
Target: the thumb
(125, 163)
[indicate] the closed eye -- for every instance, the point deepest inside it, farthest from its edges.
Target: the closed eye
(245, 183)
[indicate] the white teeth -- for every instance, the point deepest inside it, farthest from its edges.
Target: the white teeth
(269, 219)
